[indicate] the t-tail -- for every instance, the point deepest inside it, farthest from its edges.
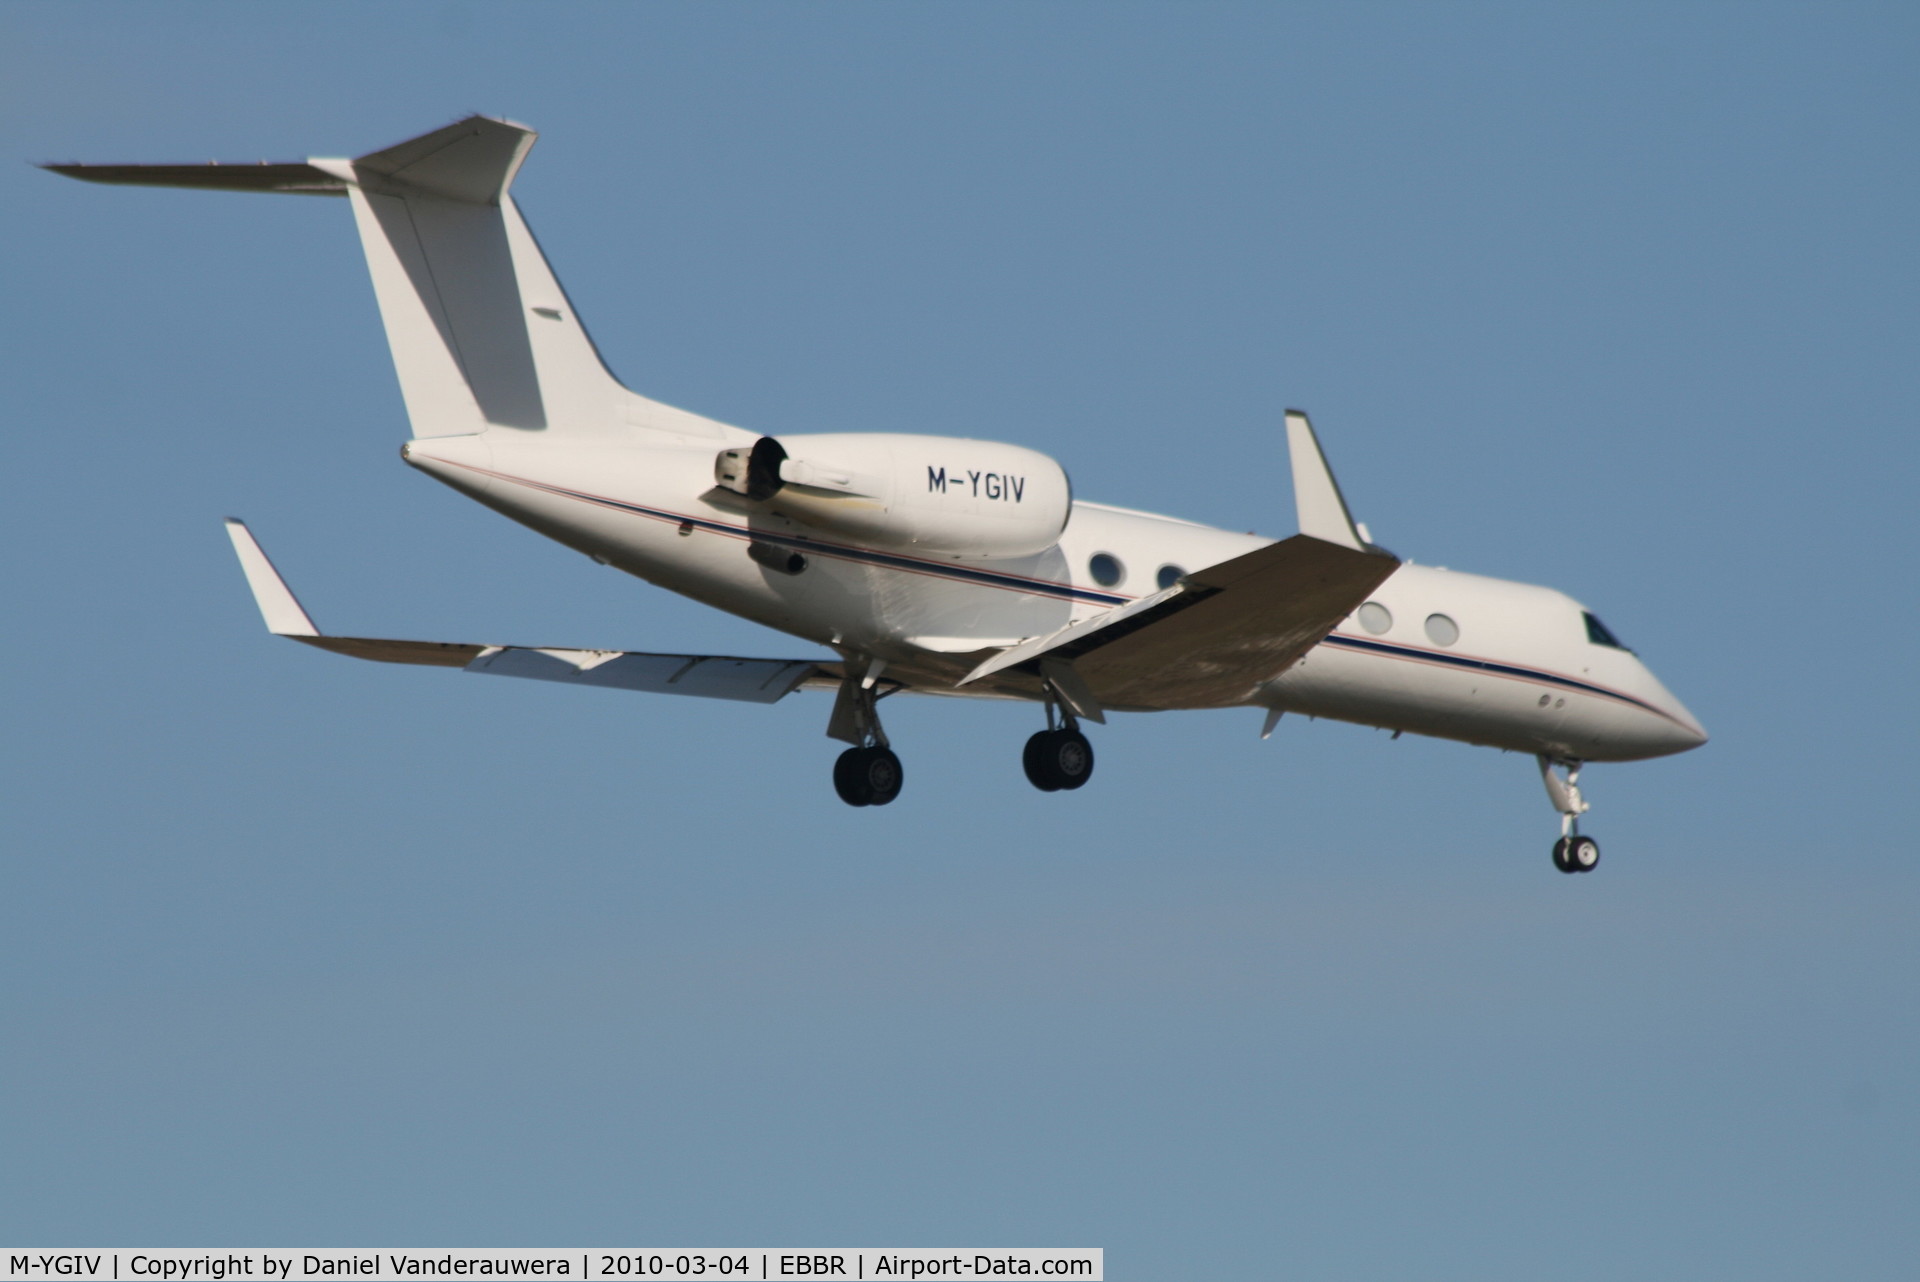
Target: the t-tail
(481, 332)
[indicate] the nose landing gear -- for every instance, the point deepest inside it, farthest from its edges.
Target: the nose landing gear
(1573, 852)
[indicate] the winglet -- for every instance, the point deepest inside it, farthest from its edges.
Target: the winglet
(1317, 501)
(283, 614)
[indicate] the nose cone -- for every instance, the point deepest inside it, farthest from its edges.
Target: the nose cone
(1665, 727)
(1682, 732)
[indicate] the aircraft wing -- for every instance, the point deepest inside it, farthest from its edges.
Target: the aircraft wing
(1213, 638)
(710, 676)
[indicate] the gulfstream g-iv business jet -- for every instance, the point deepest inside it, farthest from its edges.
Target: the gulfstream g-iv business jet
(926, 564)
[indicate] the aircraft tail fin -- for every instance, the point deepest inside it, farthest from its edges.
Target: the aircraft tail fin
(481, 331)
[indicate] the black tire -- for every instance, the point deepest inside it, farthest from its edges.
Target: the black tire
(1034, 761)
(1583, 854)
(850, 777)
(1560, 859)
(1058, 759)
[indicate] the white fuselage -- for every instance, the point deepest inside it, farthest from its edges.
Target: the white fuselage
(1517, 669)
(872, 544)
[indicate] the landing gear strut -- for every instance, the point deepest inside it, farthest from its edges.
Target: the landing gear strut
(1058, 758)
(1574, 852)
(867, 774)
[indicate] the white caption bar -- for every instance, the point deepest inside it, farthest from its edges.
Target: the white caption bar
(663, 1264)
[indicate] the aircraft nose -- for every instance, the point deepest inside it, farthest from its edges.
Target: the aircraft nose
(1679, 730)
(1664, 726)
(1689, 736)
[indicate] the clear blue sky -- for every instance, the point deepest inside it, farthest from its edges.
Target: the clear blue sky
(1620, 298)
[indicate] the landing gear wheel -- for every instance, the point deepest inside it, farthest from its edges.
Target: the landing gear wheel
(1057, 760)
(867, 776)
(1576, 854)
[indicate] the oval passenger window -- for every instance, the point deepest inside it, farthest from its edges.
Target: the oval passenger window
(1106, 569)
(1375, 618)
(1441, 630)
(1168, 576)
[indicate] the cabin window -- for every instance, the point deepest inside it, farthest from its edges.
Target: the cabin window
(1168, 576)
(1442, 630)
(1598, 634)
(1375, 618)
(1106, 569)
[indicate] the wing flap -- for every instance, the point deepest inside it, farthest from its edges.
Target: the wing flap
(1267, 609)
(1215, 637)
(705, 676)
(1077, 638)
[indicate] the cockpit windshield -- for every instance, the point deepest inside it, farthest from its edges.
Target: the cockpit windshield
(1598, 634)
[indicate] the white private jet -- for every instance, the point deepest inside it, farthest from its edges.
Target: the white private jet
(928, 564)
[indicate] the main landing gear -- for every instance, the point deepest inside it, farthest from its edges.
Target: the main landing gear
(1058, 758)
(1574, 852)
(867, 774)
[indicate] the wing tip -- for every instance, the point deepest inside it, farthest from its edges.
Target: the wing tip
(1319, 506)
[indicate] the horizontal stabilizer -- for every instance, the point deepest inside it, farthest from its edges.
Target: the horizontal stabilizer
(708, 676)
(472, 161)
(297, 178)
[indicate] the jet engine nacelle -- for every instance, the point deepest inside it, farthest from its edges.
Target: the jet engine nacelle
(940, 495)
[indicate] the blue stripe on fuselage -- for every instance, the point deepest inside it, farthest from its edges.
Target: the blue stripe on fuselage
(1391, 650)
(840, 551)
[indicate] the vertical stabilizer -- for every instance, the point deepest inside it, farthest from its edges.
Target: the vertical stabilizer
(482, 335)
